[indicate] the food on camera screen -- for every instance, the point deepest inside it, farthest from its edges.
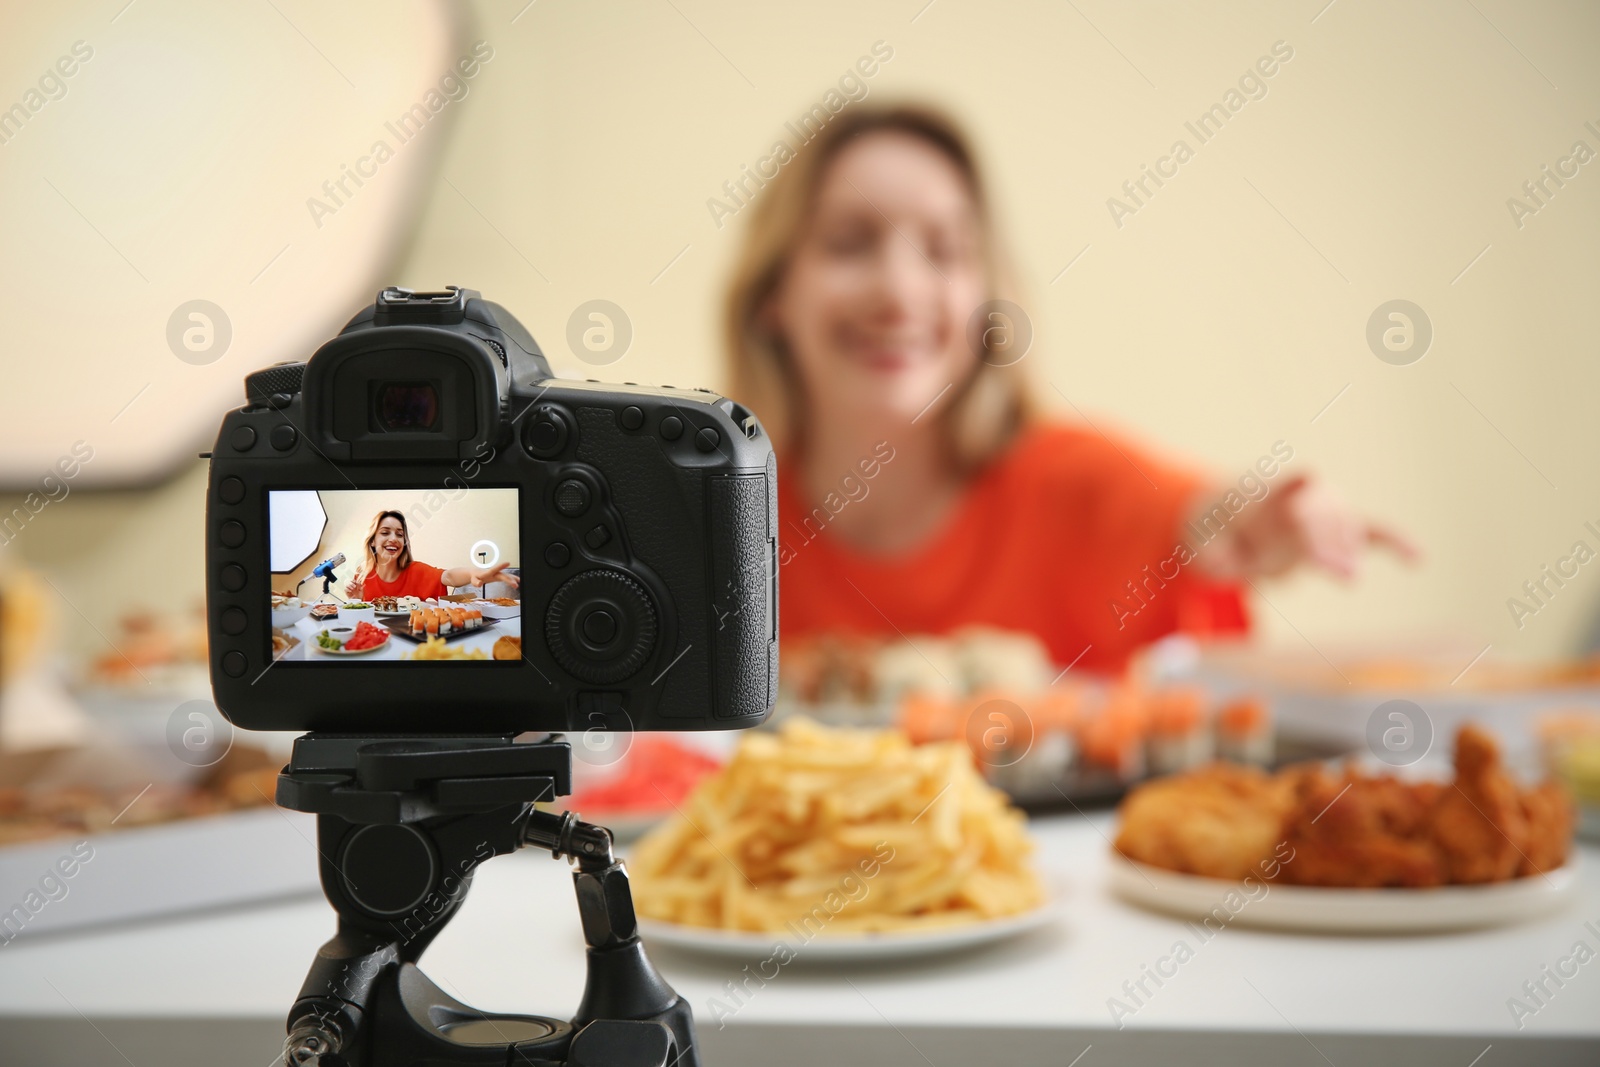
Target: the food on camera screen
(1315, 826)
(420, 557)
(366, 636)
(437, 648)
(445, 619)
(508, 648)
(811, 830)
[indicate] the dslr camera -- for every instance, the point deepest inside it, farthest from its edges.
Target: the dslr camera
(520, 552)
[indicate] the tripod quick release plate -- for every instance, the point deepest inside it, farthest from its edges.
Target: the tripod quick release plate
(366, 779)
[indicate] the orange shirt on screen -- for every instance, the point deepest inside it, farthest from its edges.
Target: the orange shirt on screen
(419, 580)
(1047, 539)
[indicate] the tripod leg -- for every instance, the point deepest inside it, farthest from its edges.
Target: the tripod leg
(622, 983)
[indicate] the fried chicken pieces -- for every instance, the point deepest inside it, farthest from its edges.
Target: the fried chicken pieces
(1219, 821)
(1348, 829)
(1479, 825)
(1351, 829)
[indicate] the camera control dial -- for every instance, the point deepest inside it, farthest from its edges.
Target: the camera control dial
(601, 626)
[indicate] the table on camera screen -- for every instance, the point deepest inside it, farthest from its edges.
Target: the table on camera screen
(397, 647)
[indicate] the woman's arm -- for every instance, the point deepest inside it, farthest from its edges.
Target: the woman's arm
(479, 576)
(1303, 522)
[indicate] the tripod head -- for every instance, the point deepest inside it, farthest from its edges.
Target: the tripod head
(402, 823)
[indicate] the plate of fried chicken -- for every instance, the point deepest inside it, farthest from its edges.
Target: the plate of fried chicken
(1315, 847)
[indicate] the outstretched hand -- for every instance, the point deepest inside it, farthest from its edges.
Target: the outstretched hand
(1301, 522)
(485, 575)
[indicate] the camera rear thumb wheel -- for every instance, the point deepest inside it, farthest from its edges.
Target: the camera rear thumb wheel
(601, 626)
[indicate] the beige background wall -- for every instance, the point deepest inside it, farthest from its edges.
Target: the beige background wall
(1227, 313)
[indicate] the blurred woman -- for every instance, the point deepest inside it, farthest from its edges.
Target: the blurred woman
(389, 570)
(921, 489)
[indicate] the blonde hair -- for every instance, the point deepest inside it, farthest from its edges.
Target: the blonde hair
(994, 401)
(369, 561)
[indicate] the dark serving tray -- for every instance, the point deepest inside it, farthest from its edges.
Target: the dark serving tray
(401, 627)
(1092, 786)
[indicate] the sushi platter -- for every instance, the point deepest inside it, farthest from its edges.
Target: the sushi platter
(418, 626)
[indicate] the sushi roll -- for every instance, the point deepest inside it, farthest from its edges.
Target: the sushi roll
(430, 622)
(1114, 738)
(474, 618)
(1179, 739)
(1244, 732)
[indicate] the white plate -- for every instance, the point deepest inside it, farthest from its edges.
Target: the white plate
(740, 944)
(345, 637)
(1314, 908)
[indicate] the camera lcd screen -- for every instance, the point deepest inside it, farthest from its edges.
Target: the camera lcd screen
(384, 575)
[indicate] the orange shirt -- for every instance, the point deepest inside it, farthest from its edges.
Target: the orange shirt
(1066, 535)
(418, 580)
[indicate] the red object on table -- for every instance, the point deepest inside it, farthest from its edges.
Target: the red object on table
(366, 636)
(656, 774)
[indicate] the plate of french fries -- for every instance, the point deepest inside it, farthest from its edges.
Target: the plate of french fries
(839, 844)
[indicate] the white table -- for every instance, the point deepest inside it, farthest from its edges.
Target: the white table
(214, 988)
(396, 647)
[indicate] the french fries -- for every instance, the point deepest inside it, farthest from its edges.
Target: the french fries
(838, 831)
(437, 648)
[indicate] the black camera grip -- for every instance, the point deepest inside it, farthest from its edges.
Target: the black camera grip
(744, 631)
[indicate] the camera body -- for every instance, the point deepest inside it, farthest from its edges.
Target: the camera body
(645, 521)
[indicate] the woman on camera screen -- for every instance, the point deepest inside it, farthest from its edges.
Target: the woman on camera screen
(921, 488)
(389, 570)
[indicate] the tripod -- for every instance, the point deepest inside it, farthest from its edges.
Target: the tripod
(401, 825)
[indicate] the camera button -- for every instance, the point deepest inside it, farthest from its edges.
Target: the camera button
(707, 439)
(632, 418)
(546, 434)
(234, 664)
(231, 490)
(234, 621)
(672, 427)
(572, 498)
(231, 534)
(557, 554)
(233, 577)
(284, 437)
(600, 627)
(243, 438)
(597, 536)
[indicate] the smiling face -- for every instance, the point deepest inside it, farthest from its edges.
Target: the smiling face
(388, 542)
(875, 299)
